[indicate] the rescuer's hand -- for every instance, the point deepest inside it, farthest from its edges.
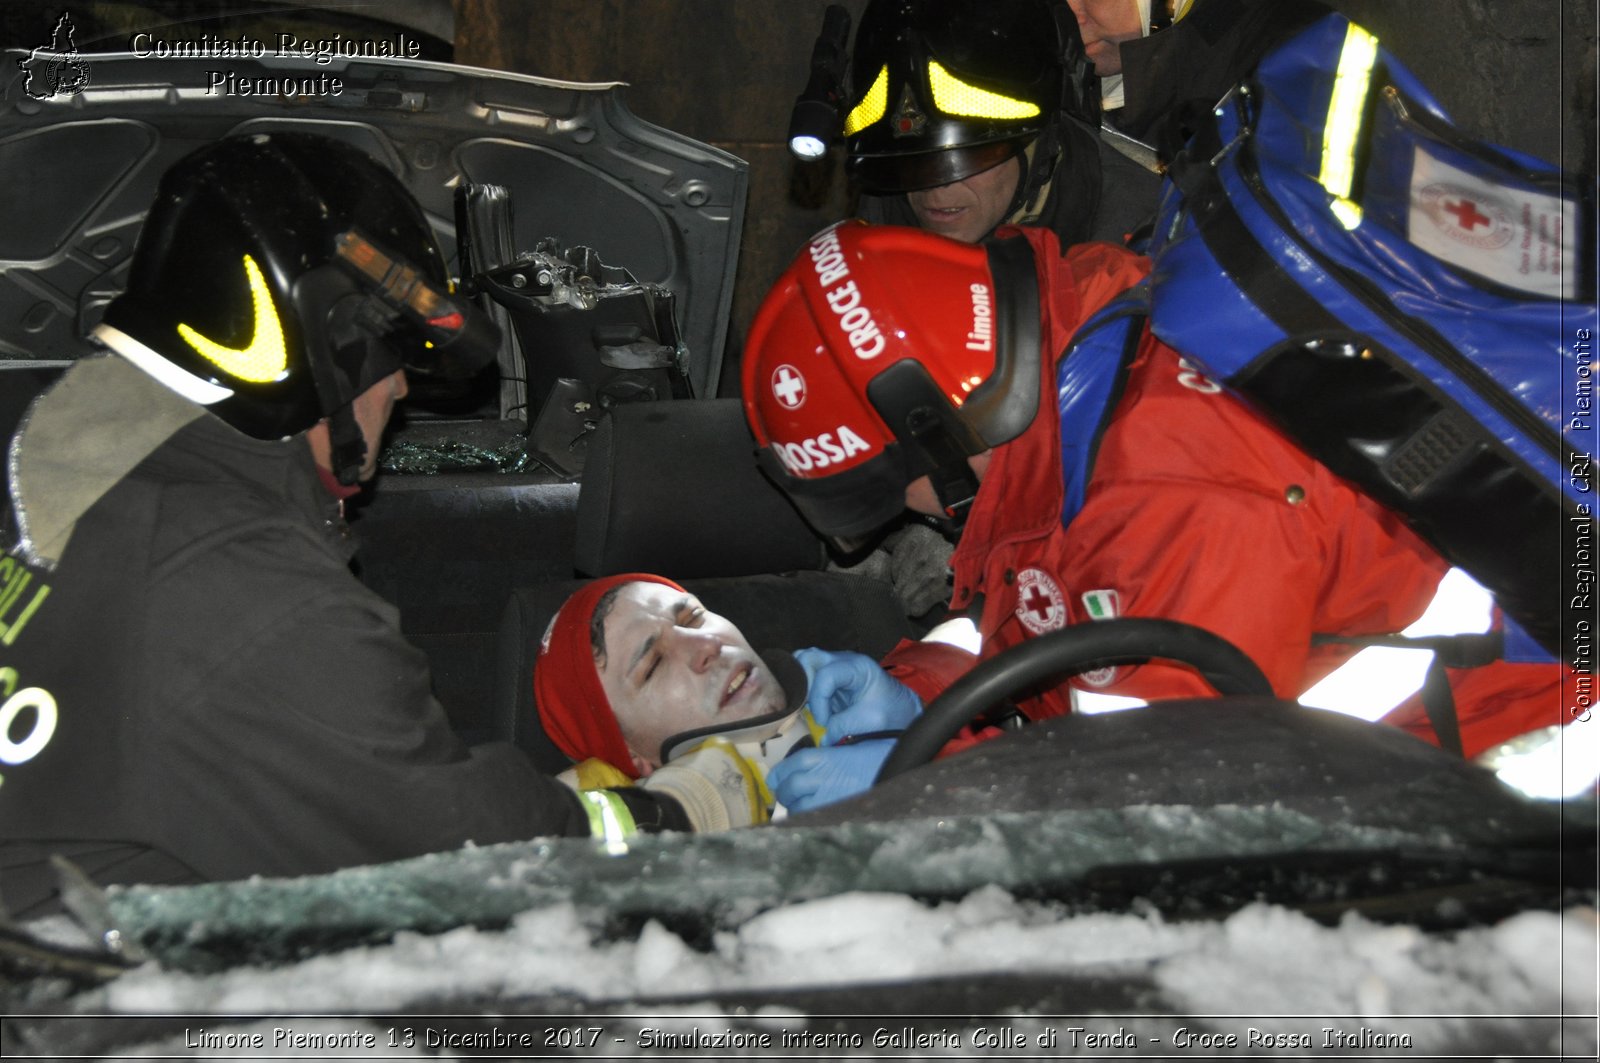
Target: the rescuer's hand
(852, 696)
(810, 778)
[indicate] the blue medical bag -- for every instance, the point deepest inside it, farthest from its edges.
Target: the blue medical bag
(1414, 307)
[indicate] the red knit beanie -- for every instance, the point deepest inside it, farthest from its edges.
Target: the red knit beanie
(572, 704)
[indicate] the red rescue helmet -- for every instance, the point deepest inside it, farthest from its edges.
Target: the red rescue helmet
(884, 354)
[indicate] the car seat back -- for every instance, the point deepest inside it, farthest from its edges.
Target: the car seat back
(673, 488)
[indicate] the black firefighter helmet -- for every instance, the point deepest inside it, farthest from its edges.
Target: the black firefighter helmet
(940, 90)
(278, 276)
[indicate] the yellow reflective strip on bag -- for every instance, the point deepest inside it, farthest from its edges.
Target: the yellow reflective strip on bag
(609, 819)
(872, 106)
(1346, 107)
(955, 97)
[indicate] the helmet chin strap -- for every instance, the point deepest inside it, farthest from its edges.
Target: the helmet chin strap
(347, 446)
(936, 441)
(1038, 163)
(347, 322)
(956, 491)
(954, 482)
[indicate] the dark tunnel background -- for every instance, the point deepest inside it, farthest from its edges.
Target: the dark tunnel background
(1518, 72)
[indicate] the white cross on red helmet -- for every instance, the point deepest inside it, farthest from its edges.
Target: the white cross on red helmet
(789, 387)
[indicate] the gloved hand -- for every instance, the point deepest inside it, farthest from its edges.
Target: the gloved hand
(717, 788)
(850, 694)
(811, 778)
(919, 568)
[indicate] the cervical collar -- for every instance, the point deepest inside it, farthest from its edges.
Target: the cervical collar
(764, 739)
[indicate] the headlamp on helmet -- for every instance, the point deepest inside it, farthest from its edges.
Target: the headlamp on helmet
(814, 122)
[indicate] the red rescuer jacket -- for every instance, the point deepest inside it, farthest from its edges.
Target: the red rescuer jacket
(1196, 509)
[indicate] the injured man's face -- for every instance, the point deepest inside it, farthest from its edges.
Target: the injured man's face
(668, 665)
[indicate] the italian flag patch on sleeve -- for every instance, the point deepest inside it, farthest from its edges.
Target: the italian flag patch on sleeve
(1101, 605)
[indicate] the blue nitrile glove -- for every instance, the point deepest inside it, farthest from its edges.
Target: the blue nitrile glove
(810, 778)
(851, 695)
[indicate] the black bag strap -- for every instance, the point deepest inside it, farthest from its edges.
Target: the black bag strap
(1449, 651)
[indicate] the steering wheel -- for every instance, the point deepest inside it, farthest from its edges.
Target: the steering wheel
(1080, 648)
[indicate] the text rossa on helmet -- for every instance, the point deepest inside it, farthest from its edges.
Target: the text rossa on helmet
(884, 354)
(279, 276)
(944, 89)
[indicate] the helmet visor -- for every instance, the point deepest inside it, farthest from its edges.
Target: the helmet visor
(438, 333)
(889, 174)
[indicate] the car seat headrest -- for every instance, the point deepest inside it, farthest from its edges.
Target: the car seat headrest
(674, 488)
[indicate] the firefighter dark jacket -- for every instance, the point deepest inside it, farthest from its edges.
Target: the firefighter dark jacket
(210, 691)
